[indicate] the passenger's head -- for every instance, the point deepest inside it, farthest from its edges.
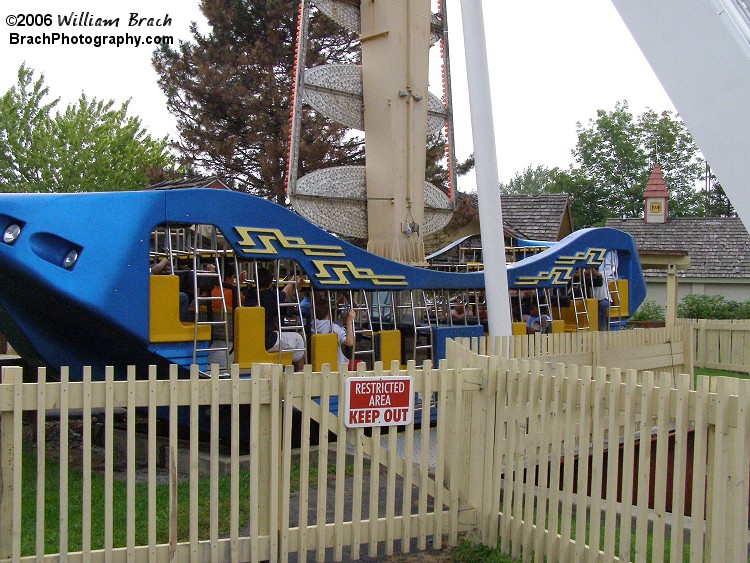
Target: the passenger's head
(321, 307)
(265, 278)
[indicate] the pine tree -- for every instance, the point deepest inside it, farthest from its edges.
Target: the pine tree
(230, 91)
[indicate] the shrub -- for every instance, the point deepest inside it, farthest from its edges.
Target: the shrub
(712, 307)
(648, 311)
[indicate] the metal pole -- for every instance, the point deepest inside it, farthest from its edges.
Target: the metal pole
(488, 184)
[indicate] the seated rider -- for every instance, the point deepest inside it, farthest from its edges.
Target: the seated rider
(536, 322)
(270, 297)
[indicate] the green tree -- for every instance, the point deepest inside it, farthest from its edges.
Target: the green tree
(91, 146)
(532, 180)
(231, 90)
(616, 152)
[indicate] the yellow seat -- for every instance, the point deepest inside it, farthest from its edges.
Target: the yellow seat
(325, 350)
(619, 298)
(250, 339)
(164, 313)
(390, 346)
(518, 329)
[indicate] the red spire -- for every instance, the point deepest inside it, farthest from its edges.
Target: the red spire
(655, 198)
(655, 186)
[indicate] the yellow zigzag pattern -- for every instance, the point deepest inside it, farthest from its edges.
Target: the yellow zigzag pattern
(562, 272)
(329, 272)
(249, 245)
(332, 272)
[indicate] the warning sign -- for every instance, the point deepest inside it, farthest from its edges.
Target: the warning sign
(378, 401)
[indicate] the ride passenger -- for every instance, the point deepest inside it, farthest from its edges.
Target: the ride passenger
(270, 298)
(324, 325)
(537, 322)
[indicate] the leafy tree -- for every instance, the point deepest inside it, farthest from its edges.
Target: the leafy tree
(616, 152)
(532, 180)
(230, 91)
(716, 203)
(91, 146)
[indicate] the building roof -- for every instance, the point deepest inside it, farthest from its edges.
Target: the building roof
(191, 182)
(537, 217)
(719, 247)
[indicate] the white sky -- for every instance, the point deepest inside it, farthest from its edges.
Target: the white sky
(552, 64)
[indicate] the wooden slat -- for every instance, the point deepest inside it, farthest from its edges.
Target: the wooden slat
(680, 467)
(234, 478)
(456, 454)
(406, 504)
(275, 463)
(109, 374)
(424, 435)
(661, 470)
(286, 463)
(374, 501)
(130, 472)
(253, 485)
(718, 501)
(41, 453)
(152, 461)
(532, 458)
(697, 513)
(86, 467)
(193, 470)
(304, 459)
(544, 433)
(519, 458)
(17, 377)
(740, 457)
(440, 453)
(323, 466)
(173, 501)
(613, 458)
(644, 466)
(598, 431)
(556, 454)
(584, 442)
(341, 442)
(63, 490)
(572, 388)
(214, 464)
(630, 399)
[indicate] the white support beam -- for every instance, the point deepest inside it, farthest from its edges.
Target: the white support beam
(700, 54)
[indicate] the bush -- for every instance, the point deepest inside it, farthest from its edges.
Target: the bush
(712, 307)
(648, 311)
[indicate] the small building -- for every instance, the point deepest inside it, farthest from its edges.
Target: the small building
(544, 217)
(717, 248)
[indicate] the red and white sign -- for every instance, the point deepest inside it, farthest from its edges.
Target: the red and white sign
(378, 401)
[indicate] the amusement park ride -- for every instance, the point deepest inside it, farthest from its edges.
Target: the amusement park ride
(75, 284)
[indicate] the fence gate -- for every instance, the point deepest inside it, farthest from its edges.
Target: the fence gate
(122, 477)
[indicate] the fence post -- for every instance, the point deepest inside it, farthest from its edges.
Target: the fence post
(7, 427)
(473, 435)
(701, 344)
(264, 448)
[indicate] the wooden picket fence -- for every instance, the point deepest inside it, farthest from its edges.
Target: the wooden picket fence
(547, 459)
(721, 344)
(364, 496)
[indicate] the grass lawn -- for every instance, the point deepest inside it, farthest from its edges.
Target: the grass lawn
(75, 502)
(711, 372)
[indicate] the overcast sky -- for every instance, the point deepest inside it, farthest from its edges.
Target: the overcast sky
(552, 64)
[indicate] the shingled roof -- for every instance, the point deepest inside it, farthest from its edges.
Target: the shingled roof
(719, 247)
(537, 217)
